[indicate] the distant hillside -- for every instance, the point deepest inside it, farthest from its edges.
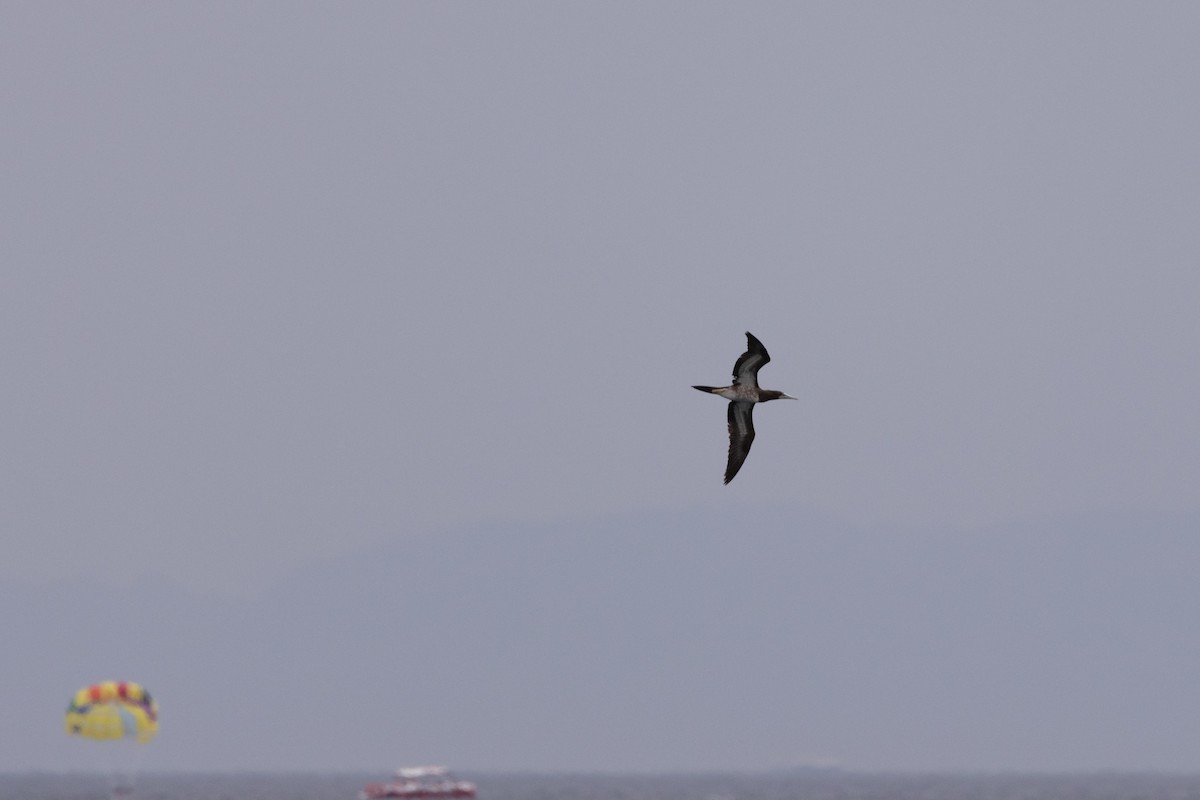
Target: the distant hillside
(758, 638)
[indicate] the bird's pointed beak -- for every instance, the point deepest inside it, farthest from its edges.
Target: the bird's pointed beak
(787, 397)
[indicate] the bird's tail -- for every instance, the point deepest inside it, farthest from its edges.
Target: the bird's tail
(709, 389)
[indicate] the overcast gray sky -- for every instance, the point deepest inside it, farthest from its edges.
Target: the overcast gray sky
(282, 281)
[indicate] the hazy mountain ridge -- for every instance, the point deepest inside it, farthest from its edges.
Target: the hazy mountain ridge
(821, 634)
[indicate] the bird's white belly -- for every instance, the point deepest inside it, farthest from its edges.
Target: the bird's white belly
(734, 393)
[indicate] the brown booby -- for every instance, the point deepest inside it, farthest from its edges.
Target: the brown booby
(743, 394)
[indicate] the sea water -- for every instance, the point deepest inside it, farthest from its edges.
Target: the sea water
(814, 785)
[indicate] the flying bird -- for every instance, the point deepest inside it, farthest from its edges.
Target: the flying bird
(742, 396)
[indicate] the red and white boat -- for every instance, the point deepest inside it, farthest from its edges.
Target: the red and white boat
(416, 782)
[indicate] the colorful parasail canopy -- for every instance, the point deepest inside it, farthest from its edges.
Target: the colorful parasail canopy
(113, 710)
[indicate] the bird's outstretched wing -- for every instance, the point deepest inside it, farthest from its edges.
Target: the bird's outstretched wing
(745, 369)
(741, 436)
